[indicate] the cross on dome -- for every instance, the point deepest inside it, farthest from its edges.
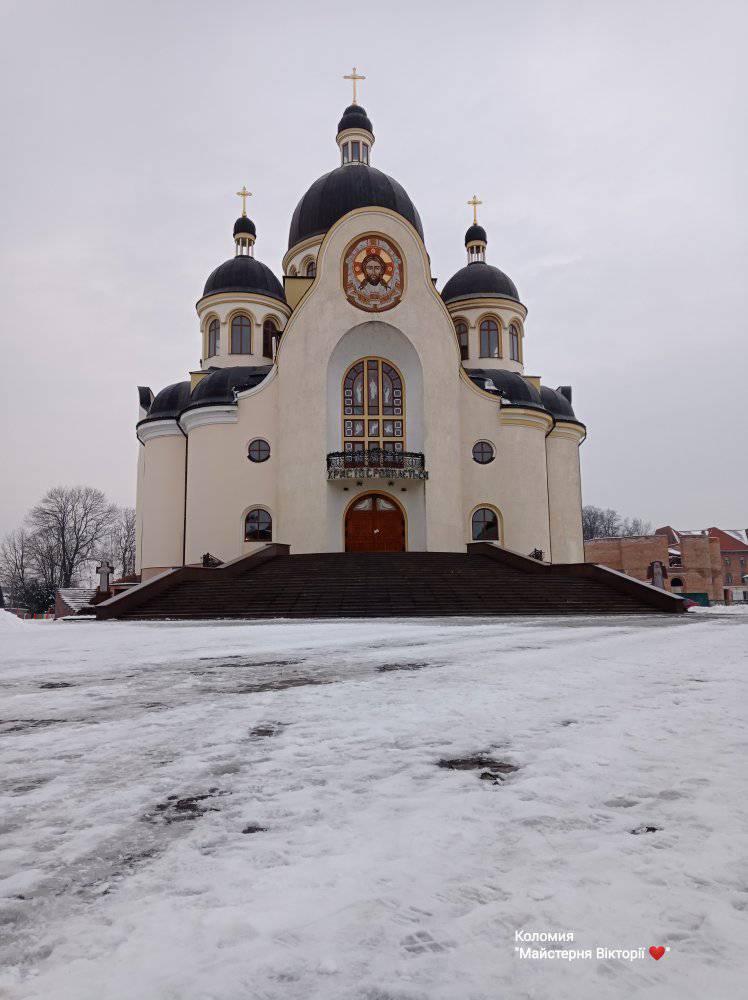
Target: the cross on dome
(355, 77)
(244, 194)
(475, 201)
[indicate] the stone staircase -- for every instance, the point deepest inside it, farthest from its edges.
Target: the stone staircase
(486, 580)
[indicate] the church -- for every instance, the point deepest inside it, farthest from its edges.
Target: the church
(356, 405)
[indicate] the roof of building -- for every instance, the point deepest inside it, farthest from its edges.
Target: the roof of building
(731, 539)
(519, 391)
(476, 234)
(169, 403)
(244, 274)
(244, 225)
(478, 280)
(341, 191)
(220, 386)
(355, 116)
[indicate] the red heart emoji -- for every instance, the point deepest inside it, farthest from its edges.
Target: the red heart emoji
(657, 953)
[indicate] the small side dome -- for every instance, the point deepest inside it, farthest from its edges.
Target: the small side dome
(476, 234)
(219, 387)
(169, 403)
(244, 274)
(509, 385)
(556, 403)
(478, 280)
(355, 116)
(244, 225)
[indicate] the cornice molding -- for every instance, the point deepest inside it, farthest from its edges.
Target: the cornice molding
(240, 298)
(518, 416)
(151, 429)
(203, 416)
(487, 303)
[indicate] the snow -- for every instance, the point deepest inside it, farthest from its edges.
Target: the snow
(378, 875)
(9, 622)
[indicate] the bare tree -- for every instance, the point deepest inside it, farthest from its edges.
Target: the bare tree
(15, 568)
(608, 523)
(68, 526)
(119, 545)
(634, 526)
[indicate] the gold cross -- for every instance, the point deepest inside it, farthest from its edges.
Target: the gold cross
(355, 77)
(474, 201)
(244, 194)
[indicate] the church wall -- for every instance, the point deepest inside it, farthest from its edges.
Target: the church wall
(472, 312)
(162, 503)
(310, 510)
(515, 482)
(565, 494)
(222, 484)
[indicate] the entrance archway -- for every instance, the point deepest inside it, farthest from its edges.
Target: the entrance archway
(374, 523)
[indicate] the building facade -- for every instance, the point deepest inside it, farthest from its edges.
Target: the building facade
(354, 406)
(733, 544)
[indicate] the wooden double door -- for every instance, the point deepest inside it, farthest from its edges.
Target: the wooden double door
(374, 523)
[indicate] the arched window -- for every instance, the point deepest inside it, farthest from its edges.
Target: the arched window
(241, 335)
(514, 353)
(311, 269)
(269, 333)
(461, 329)
(485, 527)
(373, 407)
(292, 271)
(214, 338)
(258, 526)
(489, 338)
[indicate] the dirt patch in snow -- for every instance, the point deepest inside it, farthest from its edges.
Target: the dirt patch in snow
(53, 685)
(490, 768)
(386, 668)
(177, 808)
(24, 725)
(645, 829)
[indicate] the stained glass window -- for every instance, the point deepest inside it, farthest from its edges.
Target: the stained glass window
(241, 335)
(373, 390)
(489, 339)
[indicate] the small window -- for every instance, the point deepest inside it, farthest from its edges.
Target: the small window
(241, 335)
(214, 338)
(269, 333)
(346, 153)
(485, 525)
(311, 269)
(727, 562)
(259, 450)
(462, 338)
(355, 151)
(483, 452)
(258, 526)
(514, 343)
(728, 578)
(489, 339)
(365, 152)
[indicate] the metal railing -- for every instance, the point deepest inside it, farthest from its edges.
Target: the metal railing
(376, 463)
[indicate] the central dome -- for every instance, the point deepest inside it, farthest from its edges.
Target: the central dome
(341, 191)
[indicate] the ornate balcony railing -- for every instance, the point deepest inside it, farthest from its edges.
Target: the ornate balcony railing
(376, 463)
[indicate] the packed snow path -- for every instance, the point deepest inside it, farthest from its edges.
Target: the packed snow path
(232, 810)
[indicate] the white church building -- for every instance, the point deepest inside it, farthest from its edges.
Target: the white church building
(356, 406)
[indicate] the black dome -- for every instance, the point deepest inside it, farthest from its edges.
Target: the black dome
(335, 194)
(557, 403)
(475, 233)
(244, 225)
(169, 403)
(219, 386)
(516, 389)
(478, 279)
(354, 116)
(244, 274)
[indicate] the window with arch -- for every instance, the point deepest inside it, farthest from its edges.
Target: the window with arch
(311, 269)
(373, 407)
(241, 335)
(292, 271)
(489, 338)
(258, 526)
(214, 338)
(461, 329)
(514, 347)
(485, 525)
(270, 333)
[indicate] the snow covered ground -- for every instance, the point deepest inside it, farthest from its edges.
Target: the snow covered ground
(139, 760)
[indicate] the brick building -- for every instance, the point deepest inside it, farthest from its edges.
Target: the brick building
(691, 560)
(733, 545)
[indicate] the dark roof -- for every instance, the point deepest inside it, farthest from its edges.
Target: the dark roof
(169, 403)
(355, 116)
(515, 389)
(244, 274)
(475, 233)
(219, 386)
(479, 279)
(340, 191)
(244, 225)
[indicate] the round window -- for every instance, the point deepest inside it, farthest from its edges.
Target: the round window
(483, 452)
(259, 450)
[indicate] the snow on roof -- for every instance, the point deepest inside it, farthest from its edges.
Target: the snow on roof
(77, 597)
(740, 533)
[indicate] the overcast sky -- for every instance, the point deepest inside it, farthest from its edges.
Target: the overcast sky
(607, 140)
